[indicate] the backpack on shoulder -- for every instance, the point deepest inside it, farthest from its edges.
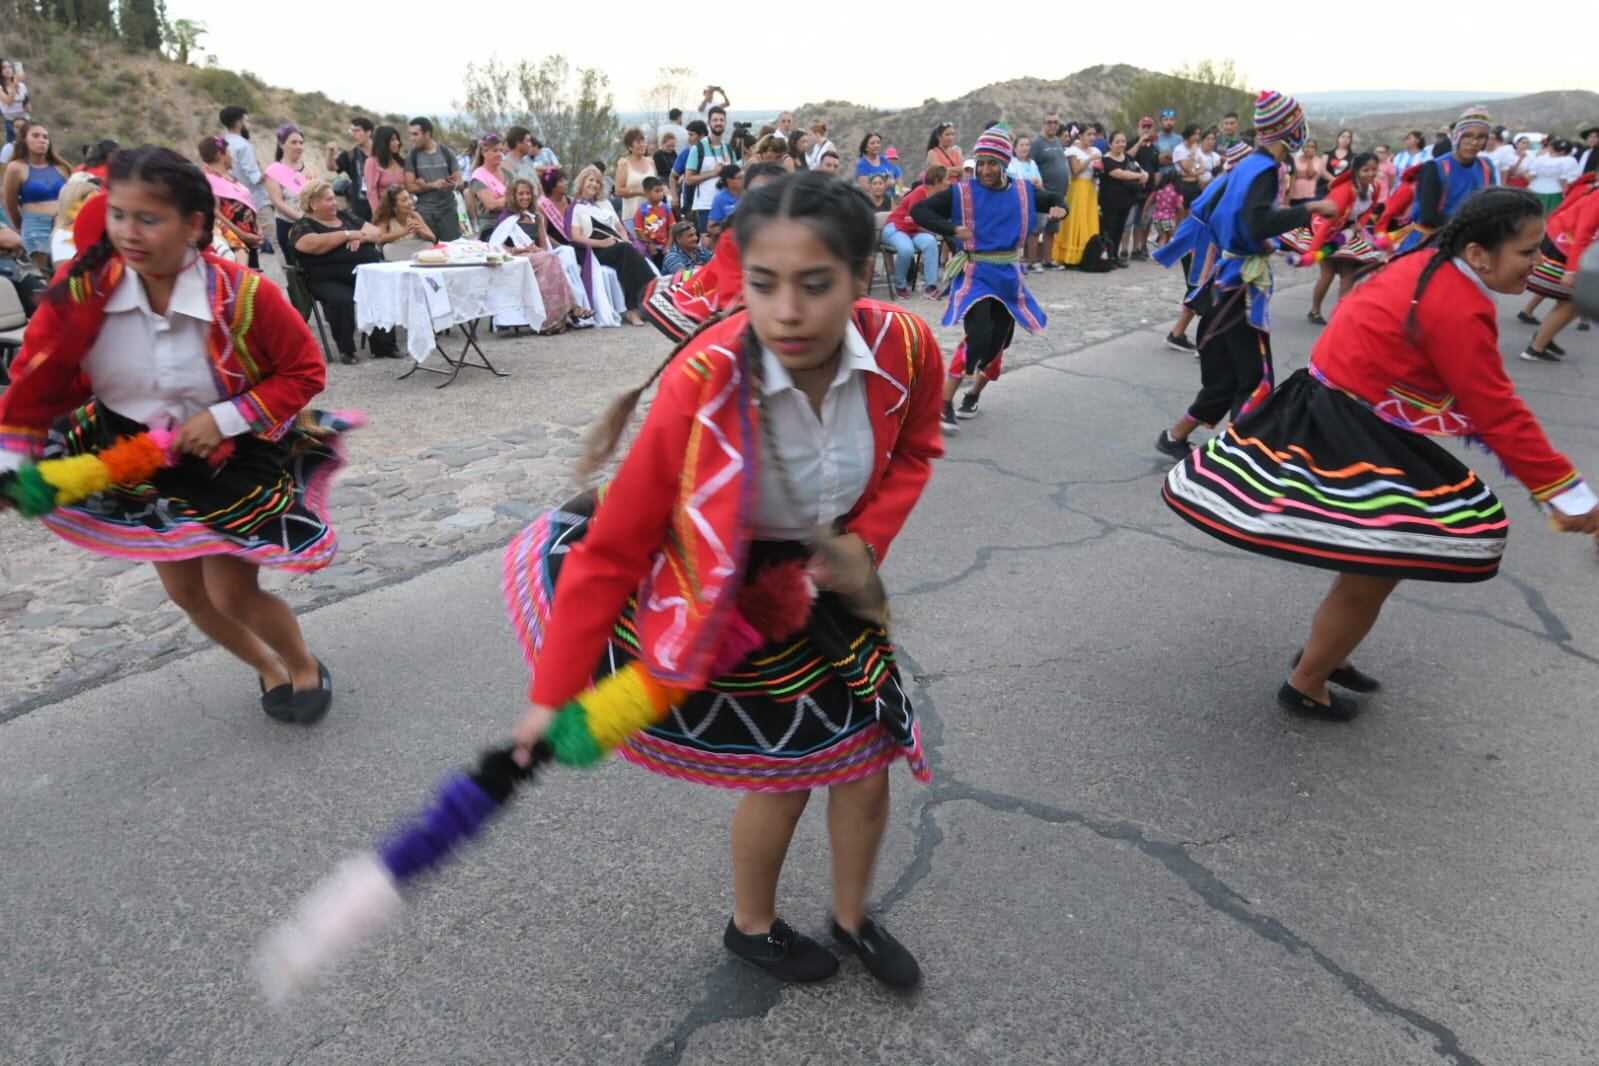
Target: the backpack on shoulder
(1095, 260)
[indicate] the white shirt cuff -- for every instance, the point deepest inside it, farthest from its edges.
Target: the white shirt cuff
(1579, 499)
(10, 460)
(229, 421)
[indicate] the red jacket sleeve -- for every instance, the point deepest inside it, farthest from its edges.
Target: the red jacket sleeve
(289, 356)
(1584, 228)
(42, 389)
(1464, 350)
(628, 528)
(881, 515)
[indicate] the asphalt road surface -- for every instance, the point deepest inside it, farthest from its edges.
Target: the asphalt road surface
(1128, 853)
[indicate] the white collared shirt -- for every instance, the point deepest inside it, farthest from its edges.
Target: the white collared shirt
(154, 368)
(829, 459)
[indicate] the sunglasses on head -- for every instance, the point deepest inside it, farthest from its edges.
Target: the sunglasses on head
(1168, 114)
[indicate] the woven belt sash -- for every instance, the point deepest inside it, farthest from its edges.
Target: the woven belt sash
(960, 261)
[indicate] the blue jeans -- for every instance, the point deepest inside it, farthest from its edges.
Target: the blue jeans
(905, 248)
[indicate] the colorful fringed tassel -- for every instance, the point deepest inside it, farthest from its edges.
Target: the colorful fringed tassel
(37, 488)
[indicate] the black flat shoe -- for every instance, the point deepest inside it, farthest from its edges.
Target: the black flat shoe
(1522, 316)
(1315, 316)
(307, 708)
(884, 957)
(272, 699)
(1348, 677)
(782, 953)
(1338, 709)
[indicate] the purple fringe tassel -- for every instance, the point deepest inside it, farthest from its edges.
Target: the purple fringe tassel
(457, 814)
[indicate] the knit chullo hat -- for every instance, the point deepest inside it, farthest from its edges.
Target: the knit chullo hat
(1472, 120)
(1279, 117)
(1235, 154)
(994, 143)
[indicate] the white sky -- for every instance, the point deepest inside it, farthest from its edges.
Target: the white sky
(772, 54)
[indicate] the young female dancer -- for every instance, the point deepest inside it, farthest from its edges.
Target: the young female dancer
(1354, 193)
(1570, 230)
(149, 329)
(809, 408)
(1334, 470)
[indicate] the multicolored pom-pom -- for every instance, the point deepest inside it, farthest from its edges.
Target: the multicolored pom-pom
(38, 488)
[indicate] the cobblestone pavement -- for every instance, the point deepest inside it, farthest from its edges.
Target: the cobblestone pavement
(436, 476)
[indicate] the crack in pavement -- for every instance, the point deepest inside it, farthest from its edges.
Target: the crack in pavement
(726, 998)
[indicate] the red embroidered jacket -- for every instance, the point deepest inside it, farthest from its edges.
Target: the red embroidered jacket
(1444, 376)
(263, 357)
(1342, 193)
(674, 526)
(1575, 224)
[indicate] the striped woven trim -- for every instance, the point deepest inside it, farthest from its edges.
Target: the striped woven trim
(1555, 488)
(868, 751)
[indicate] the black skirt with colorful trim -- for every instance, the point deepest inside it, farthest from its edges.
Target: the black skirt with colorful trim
(1314, 477)
(1548, 277)
(267, 502)
(822, 708)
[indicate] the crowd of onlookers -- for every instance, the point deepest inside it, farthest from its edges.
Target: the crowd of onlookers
(665, 202)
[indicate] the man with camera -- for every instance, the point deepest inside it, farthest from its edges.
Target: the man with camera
(703, 112)
(705, 161)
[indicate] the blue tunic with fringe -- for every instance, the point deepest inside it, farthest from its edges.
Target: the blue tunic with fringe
(1000, 220)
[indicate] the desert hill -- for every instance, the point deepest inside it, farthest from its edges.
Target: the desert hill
(1561, 112)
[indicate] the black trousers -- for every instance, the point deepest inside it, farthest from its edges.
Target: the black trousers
(1112, 224)
(337, 298)
(1234, 359)
(632, 270)
(989, 329)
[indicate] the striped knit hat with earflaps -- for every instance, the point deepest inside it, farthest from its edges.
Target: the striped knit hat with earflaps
(1472, 120)
(1278, 117)
(994, 143)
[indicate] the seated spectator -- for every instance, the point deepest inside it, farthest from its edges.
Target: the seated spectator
(328, 245)
(96, 159)
(942, 149)
(587, 221)
(877, 193)
(34, 180)
(488, 185)
(819, 146)
(235, 204)
(631, 171)
(29, 283)
(906, 238)
(729, 186)
(431, 176)
(798, 153)
(829, 163)
(285, 179)
(384, 169)
(63, 249)
(397, 219)
(653, 221)
(687, 251)
(14, 101)
(561, 307)
(871, 160)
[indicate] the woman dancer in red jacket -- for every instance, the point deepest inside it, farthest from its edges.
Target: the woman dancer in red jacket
(1335, 470)
(811, 409)
(149, 329)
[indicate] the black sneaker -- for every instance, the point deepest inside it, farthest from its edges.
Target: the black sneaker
(884, 957)
(968, 407)
(1178, 343)
(1337, 709)
(1554, 349)
(1166, 444)
(946, 419)
(1583, 327)
(1348, 677)
(1522, 316)
(781, 952)
(1535, 355)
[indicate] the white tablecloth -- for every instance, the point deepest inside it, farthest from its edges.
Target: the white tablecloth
(426, 300)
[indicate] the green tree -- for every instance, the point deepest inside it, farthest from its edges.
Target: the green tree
(1201, 93)
(571, 112)
(183, 37)
(141, 24)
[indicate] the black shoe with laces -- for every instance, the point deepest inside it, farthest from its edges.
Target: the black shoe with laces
(1166, 444)
(1554, 349)
(884, 957)
(1179, 343)
(946, 419)
(1539, 355)
(968, 407)
(1336, 709)
(782, 953)
(1348, 677)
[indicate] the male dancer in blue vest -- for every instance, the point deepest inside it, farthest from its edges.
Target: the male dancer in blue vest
(990, 217)
(1448, 181)
(1228, 232)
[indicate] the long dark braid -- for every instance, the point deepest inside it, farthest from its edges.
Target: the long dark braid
(841, 216)
(1490, 217)
(186, 189)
